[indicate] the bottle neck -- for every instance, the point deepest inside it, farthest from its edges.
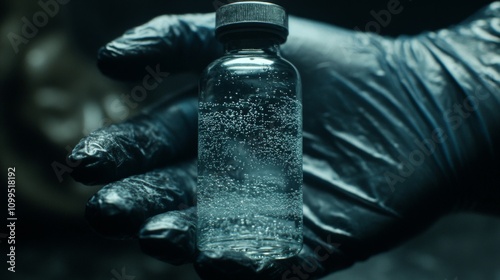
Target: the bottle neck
(242, 46)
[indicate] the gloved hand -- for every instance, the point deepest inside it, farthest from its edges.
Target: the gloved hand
(397, 133)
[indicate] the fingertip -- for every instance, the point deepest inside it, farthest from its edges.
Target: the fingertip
(120, 208)
(170, 237)
(165, 135)
(117, 62)
(109, 214)
(93, 163)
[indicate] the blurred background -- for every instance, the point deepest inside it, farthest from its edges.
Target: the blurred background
(51, 95)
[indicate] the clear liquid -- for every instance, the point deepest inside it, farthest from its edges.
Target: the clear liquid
(250, 176)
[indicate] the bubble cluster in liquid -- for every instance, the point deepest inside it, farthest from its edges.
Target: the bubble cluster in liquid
(250, 168)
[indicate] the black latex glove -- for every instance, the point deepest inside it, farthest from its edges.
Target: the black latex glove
(397, 133)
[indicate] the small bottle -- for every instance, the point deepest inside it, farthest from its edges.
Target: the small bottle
(250, 138)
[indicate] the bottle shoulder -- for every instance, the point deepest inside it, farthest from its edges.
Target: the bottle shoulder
(236, 63)
(262, 76)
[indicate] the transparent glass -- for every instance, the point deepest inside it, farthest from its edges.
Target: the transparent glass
(250, 153)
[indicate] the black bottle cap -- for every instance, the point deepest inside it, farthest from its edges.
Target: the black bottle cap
(251, 18)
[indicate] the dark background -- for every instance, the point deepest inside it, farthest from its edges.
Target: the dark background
(51, 95)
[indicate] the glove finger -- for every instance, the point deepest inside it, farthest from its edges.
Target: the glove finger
(170, 236)
(138, 145)
(177, 42)
(119, 209)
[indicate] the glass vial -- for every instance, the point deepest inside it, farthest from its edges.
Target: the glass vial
(250, 138)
